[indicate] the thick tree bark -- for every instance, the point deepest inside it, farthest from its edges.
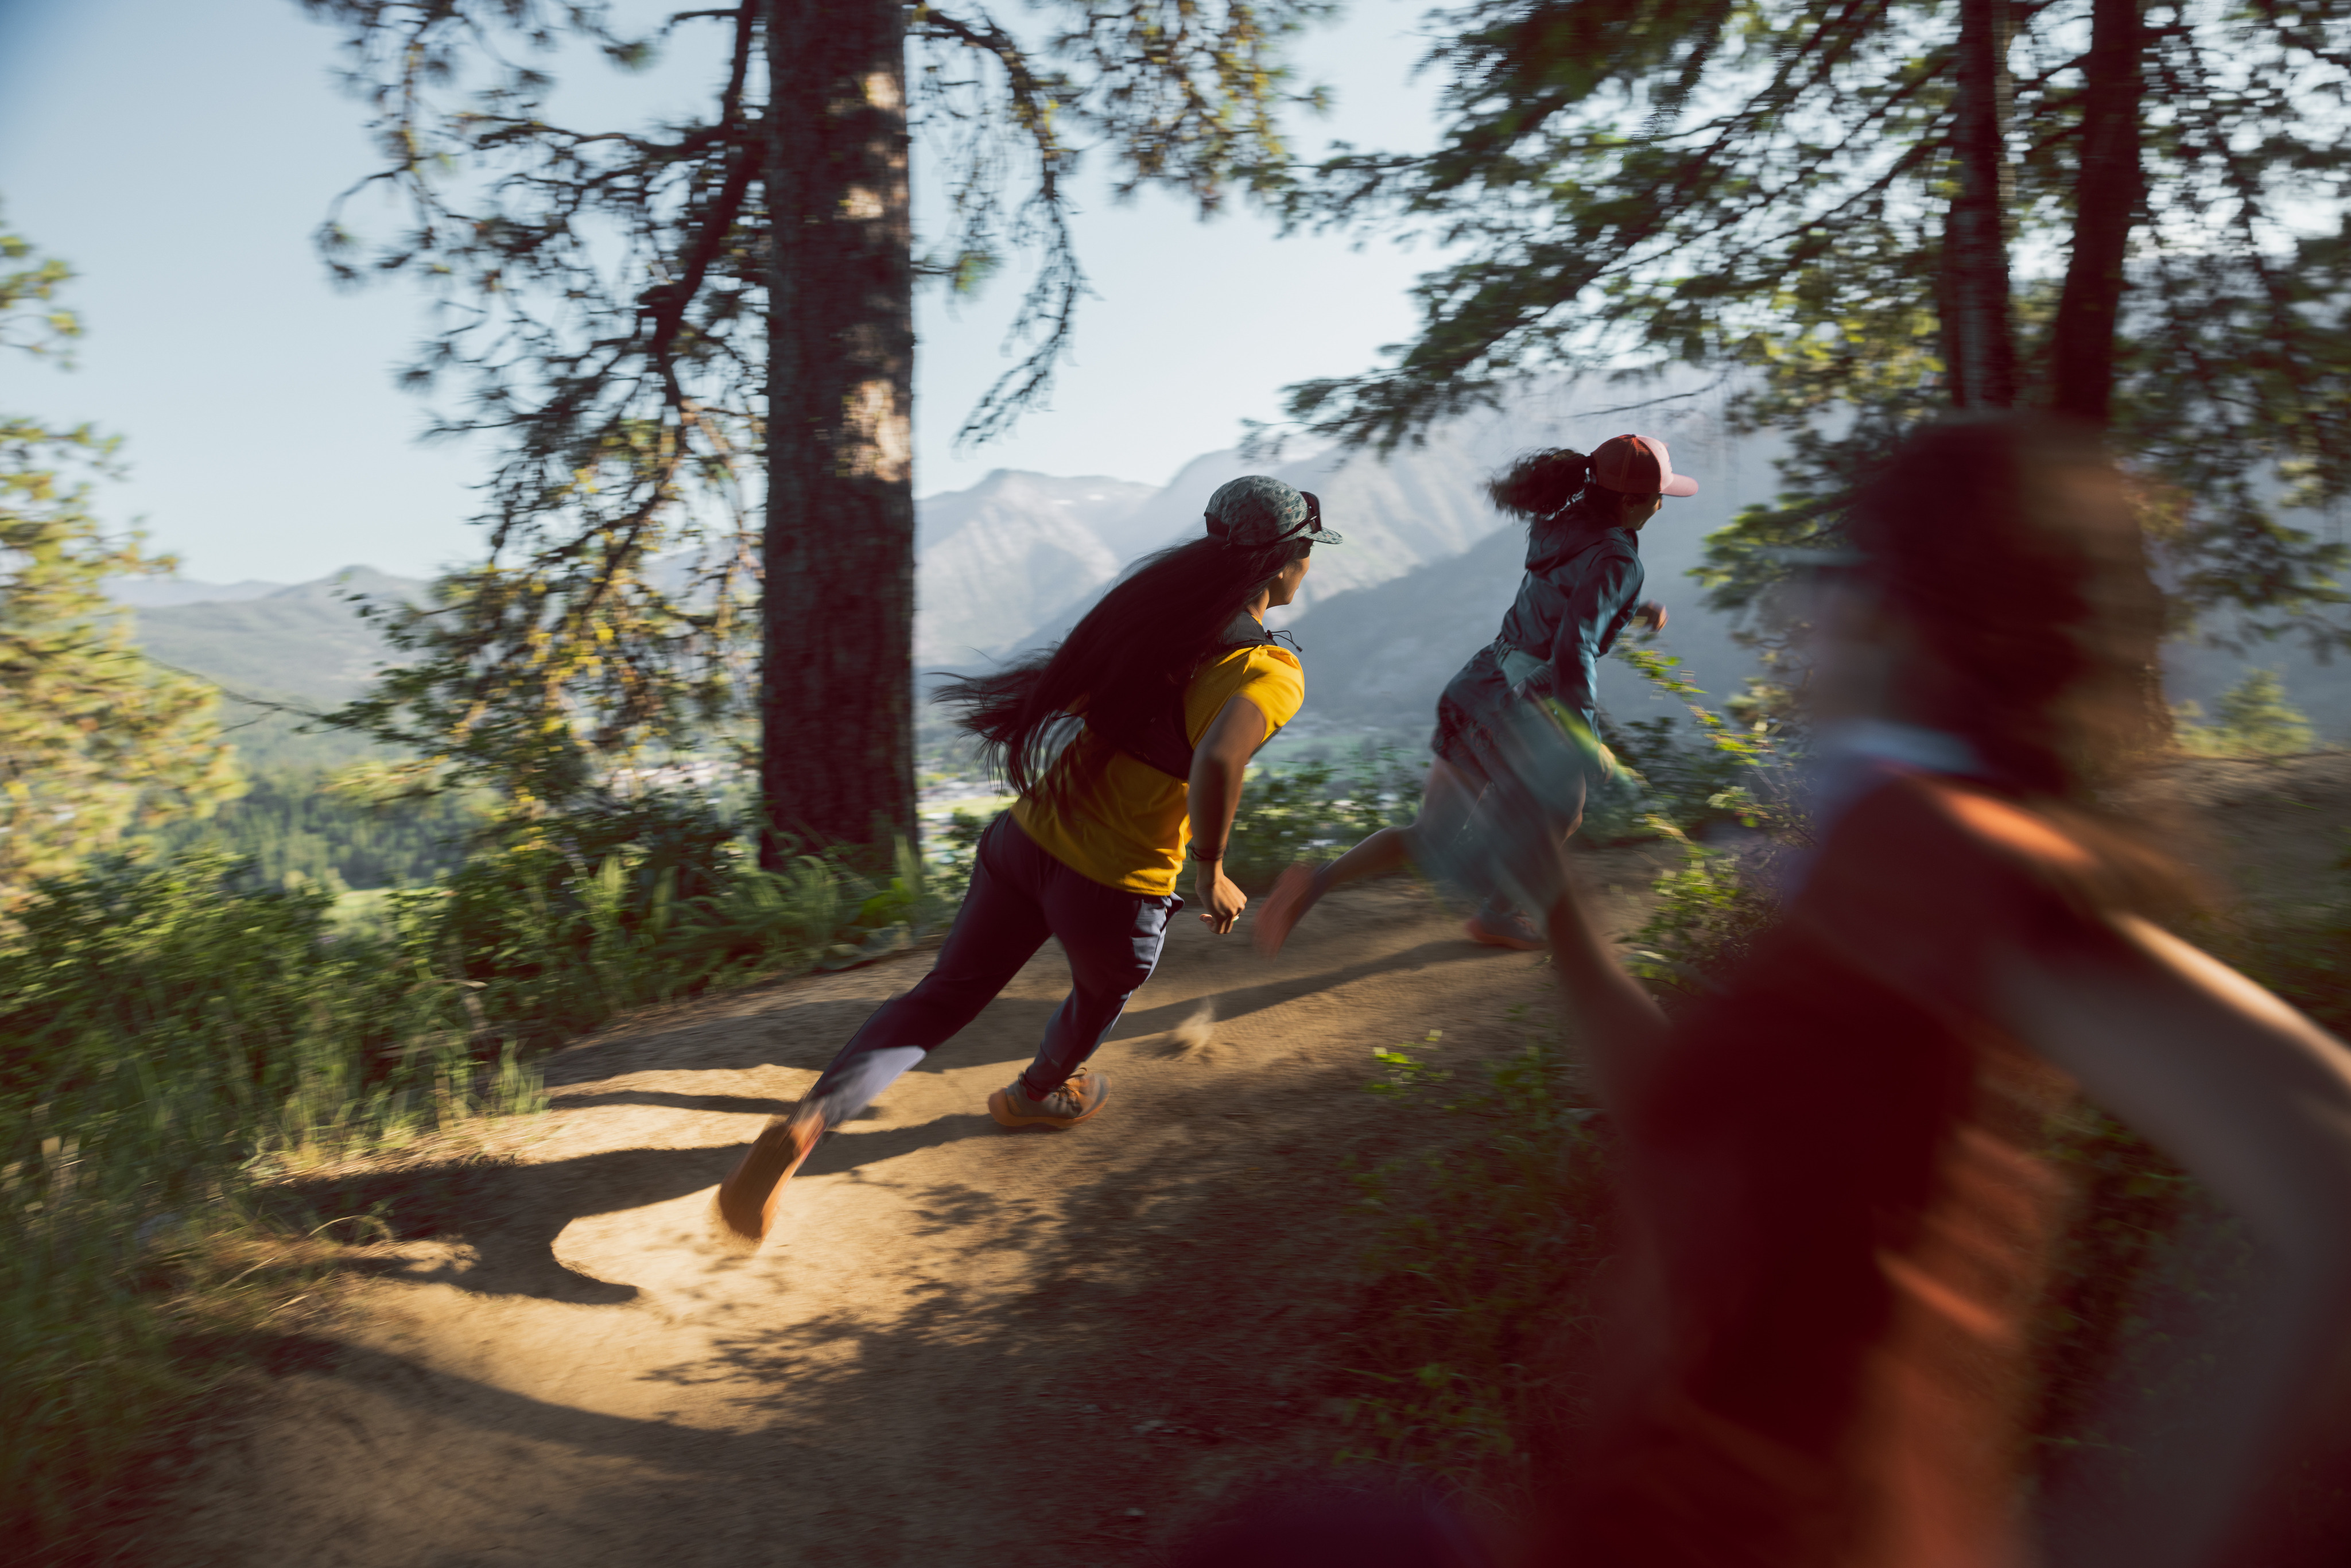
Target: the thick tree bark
(837, 753)
(2111, 186)
(1979, 330)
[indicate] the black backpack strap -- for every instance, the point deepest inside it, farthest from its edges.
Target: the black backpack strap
(1159, 740)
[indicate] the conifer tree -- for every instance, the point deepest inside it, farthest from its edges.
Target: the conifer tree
(92, 738)
(692, 343)
(2256, 708)
(1785, 194)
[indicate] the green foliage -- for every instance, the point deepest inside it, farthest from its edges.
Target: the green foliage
(1631, 187)
(295, 829)
(1481, 1269)
(955, 849)
(92, 738)
(2256, 720)
(608, 291)
(1709, 912)
(165, 1036)
(170, 1022)
(1691, 783)
(1316, 810)
(30, 318)
(173, 1030)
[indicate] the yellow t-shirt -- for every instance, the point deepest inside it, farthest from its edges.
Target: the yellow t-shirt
(1126, 827)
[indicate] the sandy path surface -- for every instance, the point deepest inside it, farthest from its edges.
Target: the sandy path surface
(963, 1346)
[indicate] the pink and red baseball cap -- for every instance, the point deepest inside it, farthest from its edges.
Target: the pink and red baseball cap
(1640, 465)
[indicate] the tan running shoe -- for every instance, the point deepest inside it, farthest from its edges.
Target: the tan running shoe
(748, 1197)
(1067, 1106)
(1280, 909)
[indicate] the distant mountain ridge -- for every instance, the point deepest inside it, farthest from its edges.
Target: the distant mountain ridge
(1420, 583)
(993, 560)
(305, 641)
(164, 592)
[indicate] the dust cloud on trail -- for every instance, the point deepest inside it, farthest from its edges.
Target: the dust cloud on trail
(963, 1345)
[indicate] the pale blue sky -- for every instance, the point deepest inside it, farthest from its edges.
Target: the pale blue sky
(179, 155)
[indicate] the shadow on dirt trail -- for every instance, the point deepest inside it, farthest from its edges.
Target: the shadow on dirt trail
(963, 1346)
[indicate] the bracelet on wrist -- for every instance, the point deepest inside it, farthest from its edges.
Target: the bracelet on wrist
(1209, 858)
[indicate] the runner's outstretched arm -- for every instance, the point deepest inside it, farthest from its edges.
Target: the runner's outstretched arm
(2254, 1099)
(1218, 764)
(1614, 1023)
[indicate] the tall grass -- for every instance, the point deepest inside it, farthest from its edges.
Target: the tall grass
(1484, 1251)
(171, 1034)
(165, 1036)
(1482, 1272)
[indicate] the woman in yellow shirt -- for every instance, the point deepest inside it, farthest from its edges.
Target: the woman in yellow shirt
(1125, 743)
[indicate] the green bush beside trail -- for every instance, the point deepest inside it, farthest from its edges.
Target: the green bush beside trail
(174, 1030)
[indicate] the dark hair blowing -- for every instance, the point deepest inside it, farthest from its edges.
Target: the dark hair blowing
(1538, 485)
(2011, 549)
(1139, 646)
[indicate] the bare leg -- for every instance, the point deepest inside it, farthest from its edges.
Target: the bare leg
(1446, 802)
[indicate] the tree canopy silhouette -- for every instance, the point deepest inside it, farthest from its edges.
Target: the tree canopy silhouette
(691, 345)
(1775, 190)
(93, 737)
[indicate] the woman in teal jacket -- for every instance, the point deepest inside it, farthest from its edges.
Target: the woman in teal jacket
(1582, 587)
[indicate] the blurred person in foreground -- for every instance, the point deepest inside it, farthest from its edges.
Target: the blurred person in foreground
(1822, 1353)
(1582, 587)
(1126, 744)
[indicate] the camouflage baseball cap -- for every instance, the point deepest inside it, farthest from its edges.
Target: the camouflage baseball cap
(1257, 509)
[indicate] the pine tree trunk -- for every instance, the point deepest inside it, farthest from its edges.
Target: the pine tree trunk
(1978, 331)
(2111, 186)
(837, 754)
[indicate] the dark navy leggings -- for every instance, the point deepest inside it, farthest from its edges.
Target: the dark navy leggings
(1020, 896)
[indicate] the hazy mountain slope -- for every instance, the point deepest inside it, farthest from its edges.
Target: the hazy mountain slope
(1379, 656)
(1100, 503)
(1425, 504)
(995, 559)
(1422, 504)
(161, 592)
(306, 642)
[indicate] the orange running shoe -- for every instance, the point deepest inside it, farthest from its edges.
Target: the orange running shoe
(748, 1197)
(1506, 930)
(1280, 909)
(1067, 1106)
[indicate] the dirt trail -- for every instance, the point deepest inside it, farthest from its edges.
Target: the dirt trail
(964, 1345)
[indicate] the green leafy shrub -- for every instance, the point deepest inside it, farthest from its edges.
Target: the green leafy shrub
(173, 1030)
(165, 1035)
(1317, 810)
(2256, 720)
(955, 850)
(1691, 774)
(1709, 912)
(1482, 1269)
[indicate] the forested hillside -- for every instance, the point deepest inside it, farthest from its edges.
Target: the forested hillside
(294, 830)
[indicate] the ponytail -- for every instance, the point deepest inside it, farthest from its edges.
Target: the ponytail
(1540, 485)
(1146, 636)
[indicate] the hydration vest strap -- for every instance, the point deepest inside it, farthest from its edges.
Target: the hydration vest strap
(1160, 741)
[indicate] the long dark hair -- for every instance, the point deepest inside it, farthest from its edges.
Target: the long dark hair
(1140, 645)
(2011, 547)
(1542, 488)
